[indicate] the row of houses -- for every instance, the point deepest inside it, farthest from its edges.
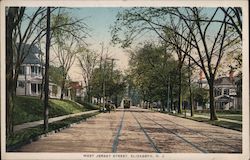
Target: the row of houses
(30, 79)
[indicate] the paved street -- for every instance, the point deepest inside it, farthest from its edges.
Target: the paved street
(139, 130)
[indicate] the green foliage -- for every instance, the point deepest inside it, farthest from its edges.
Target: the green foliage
(225, 124)
(201, 95)
(56, 74)
(153, 69)
(29, 109)
(113, 79)
(220, 123)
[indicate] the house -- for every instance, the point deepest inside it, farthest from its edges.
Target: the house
(225, 91)
(30, 77)
(76, 90)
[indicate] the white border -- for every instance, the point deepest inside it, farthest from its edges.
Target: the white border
(111, 3)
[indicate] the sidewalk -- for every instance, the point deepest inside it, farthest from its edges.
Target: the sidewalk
(36, 123)
(223, 119)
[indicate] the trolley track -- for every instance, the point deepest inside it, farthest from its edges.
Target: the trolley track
(153, 145)
(116, 139)
(201, 149)
(199, 133)
(236, 150)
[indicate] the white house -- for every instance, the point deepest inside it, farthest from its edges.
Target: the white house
(225, 91)
(29, 81)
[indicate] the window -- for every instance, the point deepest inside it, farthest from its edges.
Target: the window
(217, 92)
(39, 70)
(33, 87)
(226, 91)
(39, 87)
(21, 84)
(22, 70)
(35, 70)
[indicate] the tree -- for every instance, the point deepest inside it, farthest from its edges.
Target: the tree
(151, 68)
(206, 50)
(56, 74)
(87, 62)
(208, 58)
(181, 48)
(113, 79)
(13, 18)
(67, 43)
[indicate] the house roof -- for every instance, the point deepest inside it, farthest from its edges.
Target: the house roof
(224, 81)
(31, 57)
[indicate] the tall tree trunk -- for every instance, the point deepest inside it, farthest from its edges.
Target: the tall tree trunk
(190, 89)
(63, 89)
(89, 94)
(15, 78)
(211, 99)
(9, 71)
(171, 97)
(180, 90)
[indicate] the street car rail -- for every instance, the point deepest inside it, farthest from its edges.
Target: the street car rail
(153, 145)
(116, 140)
(197, 132)
(201, 149)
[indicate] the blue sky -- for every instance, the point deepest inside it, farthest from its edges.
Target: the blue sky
(99, 20)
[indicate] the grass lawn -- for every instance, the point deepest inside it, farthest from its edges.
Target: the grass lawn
(23, 136)
(28, 109)
(232, 117)
(221, 123)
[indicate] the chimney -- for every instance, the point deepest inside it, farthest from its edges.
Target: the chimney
(231, 75)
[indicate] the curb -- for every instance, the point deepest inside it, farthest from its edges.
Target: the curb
(13, 148)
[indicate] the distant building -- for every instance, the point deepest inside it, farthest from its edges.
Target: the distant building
(225, 91)
(30, 76)
(76, 90)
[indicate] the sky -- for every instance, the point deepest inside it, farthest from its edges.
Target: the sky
(99, 20)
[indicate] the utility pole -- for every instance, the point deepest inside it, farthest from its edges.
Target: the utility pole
(46, 85)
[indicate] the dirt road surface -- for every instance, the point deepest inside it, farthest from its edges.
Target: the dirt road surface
(138, 130)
